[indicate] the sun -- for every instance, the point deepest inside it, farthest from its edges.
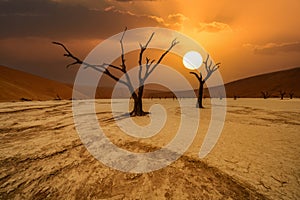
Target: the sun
(192, 60)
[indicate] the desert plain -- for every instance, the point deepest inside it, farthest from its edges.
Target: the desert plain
(256, 156)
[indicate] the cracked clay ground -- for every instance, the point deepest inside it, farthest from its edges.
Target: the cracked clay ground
(256, 157)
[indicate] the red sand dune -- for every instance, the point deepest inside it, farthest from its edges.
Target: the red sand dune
(251, 87)
(15, 85)
(287, 80)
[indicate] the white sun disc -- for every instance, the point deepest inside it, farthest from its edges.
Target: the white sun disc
(192, 60)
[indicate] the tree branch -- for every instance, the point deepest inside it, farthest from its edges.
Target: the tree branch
(107, 72)
(123, 65)
(174, 43)
(69, 54)
(99, 68)
(112, 66)
(148, 65)
(197, 76)
(209, 68)
(143, 48)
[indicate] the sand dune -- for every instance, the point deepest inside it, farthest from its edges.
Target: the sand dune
(251, 87)
(287, 80)
(15, 84)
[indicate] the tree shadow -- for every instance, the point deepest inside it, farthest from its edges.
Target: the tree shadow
(116, 118)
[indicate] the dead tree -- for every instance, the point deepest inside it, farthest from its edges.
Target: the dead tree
(106, 68)
(265, 94)
(210, 69)
(57, 97)
(291, 94)
(282, 93)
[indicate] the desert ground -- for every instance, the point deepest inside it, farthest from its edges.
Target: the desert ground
(256, 157)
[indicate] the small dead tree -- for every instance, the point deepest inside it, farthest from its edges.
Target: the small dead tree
(106, 68)
(210, 69)
(291, 94)
(265, 94)
(57, 97)
(282, 93)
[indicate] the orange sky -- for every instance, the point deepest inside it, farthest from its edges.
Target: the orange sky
(247, 37)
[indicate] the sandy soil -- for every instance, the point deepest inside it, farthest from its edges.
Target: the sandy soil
(256, 157)
(260, 144)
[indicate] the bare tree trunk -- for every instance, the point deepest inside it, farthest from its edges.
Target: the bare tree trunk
(265, 94)
(282, 93)
(200, 95)
(138, 107)
(138, 103)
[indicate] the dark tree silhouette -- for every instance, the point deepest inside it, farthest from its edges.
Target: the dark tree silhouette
(25, 99)
(291, 94)
(265, 94)
(282, 93)
(57, 97)
(210, 70)
(149, 67)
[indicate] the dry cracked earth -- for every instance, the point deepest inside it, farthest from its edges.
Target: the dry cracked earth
(42, 157)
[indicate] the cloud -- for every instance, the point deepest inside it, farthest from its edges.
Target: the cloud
(274, 48)
(177, 18)
(213, 27)
(109, 8)
(173, 21)
(176, 21)
(159, 20)
(46, 18)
